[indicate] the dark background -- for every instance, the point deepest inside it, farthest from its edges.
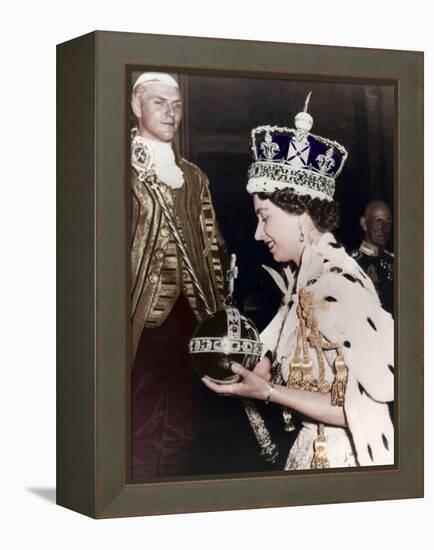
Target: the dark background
(219, 114)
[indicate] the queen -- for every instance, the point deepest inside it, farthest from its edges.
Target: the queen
(328, 352)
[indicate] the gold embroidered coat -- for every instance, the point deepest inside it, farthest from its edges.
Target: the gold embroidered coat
(156, 264)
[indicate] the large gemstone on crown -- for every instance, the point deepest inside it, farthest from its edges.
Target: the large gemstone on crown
(226, 336)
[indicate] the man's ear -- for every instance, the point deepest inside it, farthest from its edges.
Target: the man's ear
(135, 106)
(363, 223)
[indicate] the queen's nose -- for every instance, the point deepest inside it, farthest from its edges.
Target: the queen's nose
(259, 233)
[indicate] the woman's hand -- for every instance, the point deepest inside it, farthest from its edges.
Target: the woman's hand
(263, 368)
(314, 405)
(251, 385)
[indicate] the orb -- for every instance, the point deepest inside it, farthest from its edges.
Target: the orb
(222, 338)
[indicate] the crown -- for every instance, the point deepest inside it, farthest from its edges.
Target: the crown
(295, 158)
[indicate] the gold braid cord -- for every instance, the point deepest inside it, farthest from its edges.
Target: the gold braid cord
(301, 374)
(180, 244)
(269, 450)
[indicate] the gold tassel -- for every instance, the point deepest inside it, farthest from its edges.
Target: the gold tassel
(323, 386)
(309, 381)
(307, 370)
(340, 382)
(295, 375)
(320, 459)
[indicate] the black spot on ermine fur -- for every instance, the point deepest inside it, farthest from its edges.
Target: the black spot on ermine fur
(371, 323)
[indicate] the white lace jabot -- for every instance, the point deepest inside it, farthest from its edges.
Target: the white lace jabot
(165, 164)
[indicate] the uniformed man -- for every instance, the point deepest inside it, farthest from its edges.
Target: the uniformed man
(372, 254)
(177, 279)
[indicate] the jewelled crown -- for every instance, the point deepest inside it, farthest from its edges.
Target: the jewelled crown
(295, 158)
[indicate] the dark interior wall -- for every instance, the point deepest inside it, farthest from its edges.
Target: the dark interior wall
(219, 114)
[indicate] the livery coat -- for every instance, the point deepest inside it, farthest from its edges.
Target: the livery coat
(157, 270)
(166, 307)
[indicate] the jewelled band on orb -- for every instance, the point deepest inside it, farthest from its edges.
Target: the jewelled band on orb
(225, 345)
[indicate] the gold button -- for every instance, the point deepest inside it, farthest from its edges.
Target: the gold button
(159, 254)
(165, 232)
(153, 278)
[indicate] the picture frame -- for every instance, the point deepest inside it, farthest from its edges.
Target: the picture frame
(94, 354)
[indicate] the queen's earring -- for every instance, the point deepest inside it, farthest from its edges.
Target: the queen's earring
(301, 237)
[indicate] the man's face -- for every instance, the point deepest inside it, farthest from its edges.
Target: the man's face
(377, 224)
(158, 109)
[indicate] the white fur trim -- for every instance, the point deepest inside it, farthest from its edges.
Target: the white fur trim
(355, 320)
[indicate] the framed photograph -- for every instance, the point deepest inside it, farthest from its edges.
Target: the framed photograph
(190, 376)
